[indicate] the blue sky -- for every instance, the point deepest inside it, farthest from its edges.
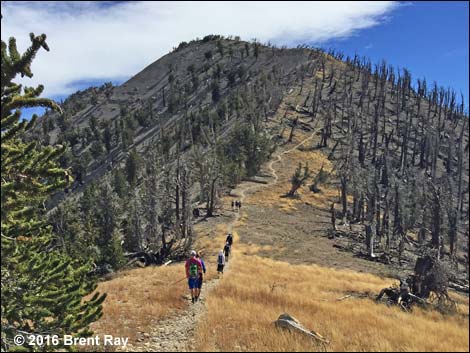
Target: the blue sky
(428, 38)
(96, 42)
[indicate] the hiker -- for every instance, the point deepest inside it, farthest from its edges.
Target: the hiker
(201, 275)
(220, 262)
(236, 205)
(239, 205)
(233, 204)
(196, 213)
(229, 239)
(193, 268)
(227, 251)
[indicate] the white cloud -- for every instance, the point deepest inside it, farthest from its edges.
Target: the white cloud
(108, 41)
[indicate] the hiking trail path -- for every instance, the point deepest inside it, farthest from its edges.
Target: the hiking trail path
(177, 332)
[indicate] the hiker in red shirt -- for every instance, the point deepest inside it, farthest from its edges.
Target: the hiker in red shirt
(193, 270)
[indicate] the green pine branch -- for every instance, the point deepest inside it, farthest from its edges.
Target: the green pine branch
(43, 289)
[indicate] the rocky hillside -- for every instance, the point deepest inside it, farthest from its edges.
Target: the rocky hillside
(209, 114)
(205, 83)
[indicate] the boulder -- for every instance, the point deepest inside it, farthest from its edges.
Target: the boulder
(286, 321)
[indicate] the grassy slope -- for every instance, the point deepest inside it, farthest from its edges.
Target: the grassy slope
(256, 290)
(140, 298)
(241, 311)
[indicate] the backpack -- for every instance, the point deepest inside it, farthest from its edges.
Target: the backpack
(220, 259)
(193, 270)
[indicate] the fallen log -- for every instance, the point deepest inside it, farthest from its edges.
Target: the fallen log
(305, 126)
(254, 180)
(343, 298)
(147, 258)
(136, 262)
(459, 287)
(300, 110)
(285, 321)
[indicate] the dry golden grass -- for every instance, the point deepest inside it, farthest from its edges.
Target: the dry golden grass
(272, 196)
(241, 311)
(243, 307)
(138, 298)
(255, 291)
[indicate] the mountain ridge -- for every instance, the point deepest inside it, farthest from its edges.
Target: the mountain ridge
(215, 107)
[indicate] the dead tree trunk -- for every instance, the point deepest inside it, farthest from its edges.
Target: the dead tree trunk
(177, 191)
(436, 240)
(212, 196)
(333, 216)
(370, 237)
(294, 124)
(344, 196)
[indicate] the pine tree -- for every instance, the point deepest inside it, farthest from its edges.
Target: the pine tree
(215, 92)
(133, 163)
(42, 288)
(119, 183)
(320, 178)
(132, 225)
(107, 215)
(151, 203)
(256, 49)
(299, 178)
(207, 169)
(108, 138)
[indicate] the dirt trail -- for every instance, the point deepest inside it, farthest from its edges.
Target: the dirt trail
(177, 333)
(279, 157)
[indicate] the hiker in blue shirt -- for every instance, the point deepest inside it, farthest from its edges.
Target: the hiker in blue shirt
(201, 275)
(193, 268)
